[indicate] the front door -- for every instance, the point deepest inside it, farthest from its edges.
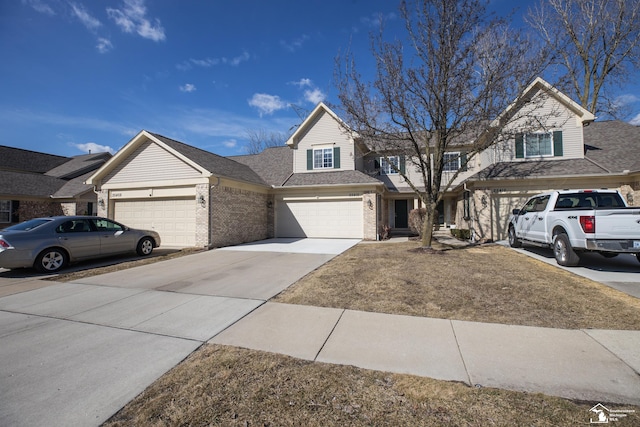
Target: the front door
(402, 214)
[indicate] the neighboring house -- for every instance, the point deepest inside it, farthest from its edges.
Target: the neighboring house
(325, 182)
(34, 184)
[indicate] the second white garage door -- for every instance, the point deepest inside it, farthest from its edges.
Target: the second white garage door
(322, 218)
(173, 219)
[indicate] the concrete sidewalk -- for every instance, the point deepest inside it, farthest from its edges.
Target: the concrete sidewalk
(591, 365)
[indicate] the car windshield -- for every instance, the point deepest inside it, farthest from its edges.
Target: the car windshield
(28, 225)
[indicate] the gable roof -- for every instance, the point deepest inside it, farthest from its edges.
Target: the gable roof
(274, 165)
(215, 164)
(79, 165)
(310, 120)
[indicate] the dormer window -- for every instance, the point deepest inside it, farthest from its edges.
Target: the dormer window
(539, 144)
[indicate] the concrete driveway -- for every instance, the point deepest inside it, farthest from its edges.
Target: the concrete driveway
(75, 353)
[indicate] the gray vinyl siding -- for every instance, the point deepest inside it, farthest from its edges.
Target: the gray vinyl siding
(324, 131)
(150, 162)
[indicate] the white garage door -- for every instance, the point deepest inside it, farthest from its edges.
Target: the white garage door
(325, 218)
(174, 219)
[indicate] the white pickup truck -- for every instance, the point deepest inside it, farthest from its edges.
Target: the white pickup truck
(571, 222)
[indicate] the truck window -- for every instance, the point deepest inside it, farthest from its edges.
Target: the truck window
(589, 201)
(541, 203)
(611, 200)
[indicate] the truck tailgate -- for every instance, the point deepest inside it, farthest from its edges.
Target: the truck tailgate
(618, 223)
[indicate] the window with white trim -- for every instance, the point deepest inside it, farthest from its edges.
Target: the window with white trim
(323, 158)
(538, 144)
(387, 165)
(451, 162)
(5, 211)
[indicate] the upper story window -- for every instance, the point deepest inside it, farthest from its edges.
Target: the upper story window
(539, 144)
(387, 165)
(454, 161)
(323, 158)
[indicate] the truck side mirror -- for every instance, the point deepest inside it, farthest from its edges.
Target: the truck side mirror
(516, 212)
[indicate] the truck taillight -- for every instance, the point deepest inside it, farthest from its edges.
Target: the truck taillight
(588, 223)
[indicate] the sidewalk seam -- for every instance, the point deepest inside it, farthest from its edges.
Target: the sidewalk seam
(455, 336)
(608, 350)
(329, 335)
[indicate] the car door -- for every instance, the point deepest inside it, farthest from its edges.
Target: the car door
(538, 226)
(77, 237)
(523, 228)
(114, 238)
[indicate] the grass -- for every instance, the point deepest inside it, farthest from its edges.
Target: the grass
(227, 386)
(488, 283)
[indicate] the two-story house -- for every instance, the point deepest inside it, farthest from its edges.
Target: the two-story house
(326, 183)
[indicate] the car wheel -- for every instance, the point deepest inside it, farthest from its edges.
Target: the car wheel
(564, 253)
(638, 257)
(51, 260)
(514, 242)
(145, 246)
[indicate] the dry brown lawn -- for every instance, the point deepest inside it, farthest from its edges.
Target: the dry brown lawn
(487, 283)
(227, 386)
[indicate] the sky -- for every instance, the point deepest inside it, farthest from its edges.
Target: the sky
(80, 75)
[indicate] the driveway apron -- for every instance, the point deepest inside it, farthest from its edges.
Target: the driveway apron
(75, 353)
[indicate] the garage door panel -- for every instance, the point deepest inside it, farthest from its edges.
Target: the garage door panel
(173, 219)
(326, 218)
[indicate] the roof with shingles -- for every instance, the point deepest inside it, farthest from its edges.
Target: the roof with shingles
(79, 165)
(274, 164)
(17, 183)
(74, 187)
(614, 145)
(330, 178)
(213, 163)
(30, 161)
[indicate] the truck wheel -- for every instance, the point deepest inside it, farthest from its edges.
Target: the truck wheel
(564, 253)
(514, 242)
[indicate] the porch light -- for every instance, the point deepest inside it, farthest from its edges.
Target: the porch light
(101, 203)
(370, 204)
(201, 201)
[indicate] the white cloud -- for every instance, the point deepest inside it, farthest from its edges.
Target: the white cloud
(92, 147)
(375, 19)
(267, 104)
(132, 17)
(39, 6)
(104, 45)
(636, 120)
(210, 62)
(314, 96)
(238, 59)
(302, 83)
(87, 20)
(625, 99)
(188, 88)
(230, 143)
(294, 44)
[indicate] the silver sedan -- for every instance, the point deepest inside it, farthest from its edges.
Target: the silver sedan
(49, 244)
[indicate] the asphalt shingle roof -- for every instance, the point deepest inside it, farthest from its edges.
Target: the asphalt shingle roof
(614, 145)
(79, 165)
(16, 183)
(30, 161)
(330, 178)
(214, 163)
(274, 165)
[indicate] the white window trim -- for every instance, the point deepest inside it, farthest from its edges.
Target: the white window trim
(456, 159)
(385, 167)
(533, 156)
(322, 149)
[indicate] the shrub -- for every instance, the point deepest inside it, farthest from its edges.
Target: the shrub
(461, 233)
(416, 219)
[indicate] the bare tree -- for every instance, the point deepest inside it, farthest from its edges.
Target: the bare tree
(456, 72)
(259, 139)
(596, 41)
